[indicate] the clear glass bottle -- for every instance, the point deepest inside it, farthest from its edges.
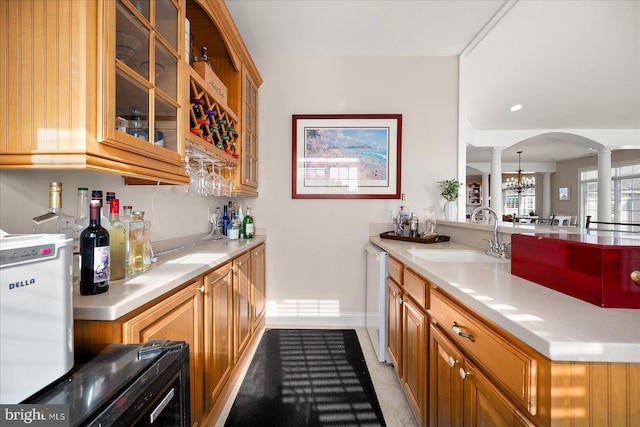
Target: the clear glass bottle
(94, 249)
(54, 221)
(117, 241)
(81, 222)
(126, 219)
(247, 226)
(139, 244)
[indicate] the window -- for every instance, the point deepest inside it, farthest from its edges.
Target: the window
(625, 194)
(512, 201)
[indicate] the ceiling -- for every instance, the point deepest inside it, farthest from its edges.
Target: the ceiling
(572, 64)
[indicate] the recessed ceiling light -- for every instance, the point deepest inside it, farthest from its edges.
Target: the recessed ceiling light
(516, 107)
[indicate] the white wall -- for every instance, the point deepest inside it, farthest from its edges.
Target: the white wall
(315, 256)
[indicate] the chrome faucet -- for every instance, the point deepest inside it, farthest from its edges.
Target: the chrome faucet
(495, 248)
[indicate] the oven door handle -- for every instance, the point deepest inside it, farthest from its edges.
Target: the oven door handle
(165, 401)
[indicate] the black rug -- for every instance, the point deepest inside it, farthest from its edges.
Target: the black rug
(307, 377)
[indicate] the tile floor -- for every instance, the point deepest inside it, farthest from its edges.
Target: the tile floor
(395, 407)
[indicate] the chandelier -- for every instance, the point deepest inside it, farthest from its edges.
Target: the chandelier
(519, 184)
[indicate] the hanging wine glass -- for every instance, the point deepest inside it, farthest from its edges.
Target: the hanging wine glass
(201, 178)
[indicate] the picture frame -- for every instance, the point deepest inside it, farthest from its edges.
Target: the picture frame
(564, 193)
(346, 156)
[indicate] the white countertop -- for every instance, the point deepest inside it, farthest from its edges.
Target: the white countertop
(558, 326)
(171, 271)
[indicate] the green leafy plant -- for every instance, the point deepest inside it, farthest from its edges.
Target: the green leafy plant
(450, 189)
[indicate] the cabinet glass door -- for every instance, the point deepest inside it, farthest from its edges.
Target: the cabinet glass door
(249, 170)
(146, 65)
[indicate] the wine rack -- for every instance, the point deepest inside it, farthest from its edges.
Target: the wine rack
(213, 126)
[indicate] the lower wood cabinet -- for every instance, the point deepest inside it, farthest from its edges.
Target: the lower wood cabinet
(482, 376)
(407, 334)
(415, 327)
(461, 395)
(242, 304)
(258, 283)
(394, 324)
(218, 332)
(177, 318)
(213, 313)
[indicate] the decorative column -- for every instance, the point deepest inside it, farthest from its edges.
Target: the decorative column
(546, 195)
(604, 185)
(485, 190)
(496, 181)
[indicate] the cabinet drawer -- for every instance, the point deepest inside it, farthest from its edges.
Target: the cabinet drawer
(417, 287)
(395, 269)
(509, 364)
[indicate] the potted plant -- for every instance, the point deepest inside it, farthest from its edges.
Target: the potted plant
(450, 191)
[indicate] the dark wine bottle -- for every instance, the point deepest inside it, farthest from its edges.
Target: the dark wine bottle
(94, 250)
(226, 221)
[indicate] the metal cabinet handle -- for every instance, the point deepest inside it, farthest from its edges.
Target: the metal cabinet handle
(463, 373)
(201, 289)
(458, 331)
(452, 362)
(635, 276)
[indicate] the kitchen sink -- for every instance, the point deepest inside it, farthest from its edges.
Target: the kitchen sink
(454, 255)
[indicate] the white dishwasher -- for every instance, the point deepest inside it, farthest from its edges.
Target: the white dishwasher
(376, 300)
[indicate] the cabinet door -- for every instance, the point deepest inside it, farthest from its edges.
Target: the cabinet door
(414, 356)
(218, 332)
(258, 284)
(445, 408)
(177, 318)
(394, 324)
(249, 154)
(484, 404)
(242, 304)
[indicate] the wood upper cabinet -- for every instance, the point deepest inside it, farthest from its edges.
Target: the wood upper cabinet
(218, 332)
(212, 27)
(73, 67)
(242, 304)
(177, 318)
(258, 284)
(104, 85)
(249, 158)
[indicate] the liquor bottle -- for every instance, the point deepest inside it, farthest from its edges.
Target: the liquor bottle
(226, 221)
(94, 250)
(82, 222)
(117, 241)
(139, 244)
(248, 224)
(126, 219)
(54, 221)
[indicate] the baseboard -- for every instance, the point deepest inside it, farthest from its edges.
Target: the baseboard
(350, 320)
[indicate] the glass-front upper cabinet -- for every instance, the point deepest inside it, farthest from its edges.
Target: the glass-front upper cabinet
(147, 56)
(249, 167)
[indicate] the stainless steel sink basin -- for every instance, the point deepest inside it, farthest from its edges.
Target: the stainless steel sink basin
(454, 256)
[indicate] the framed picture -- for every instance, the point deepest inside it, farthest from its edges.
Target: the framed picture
(346, 156)
(564, 193)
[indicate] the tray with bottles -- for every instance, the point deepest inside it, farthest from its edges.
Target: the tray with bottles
(424, 238)
(213, 126)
